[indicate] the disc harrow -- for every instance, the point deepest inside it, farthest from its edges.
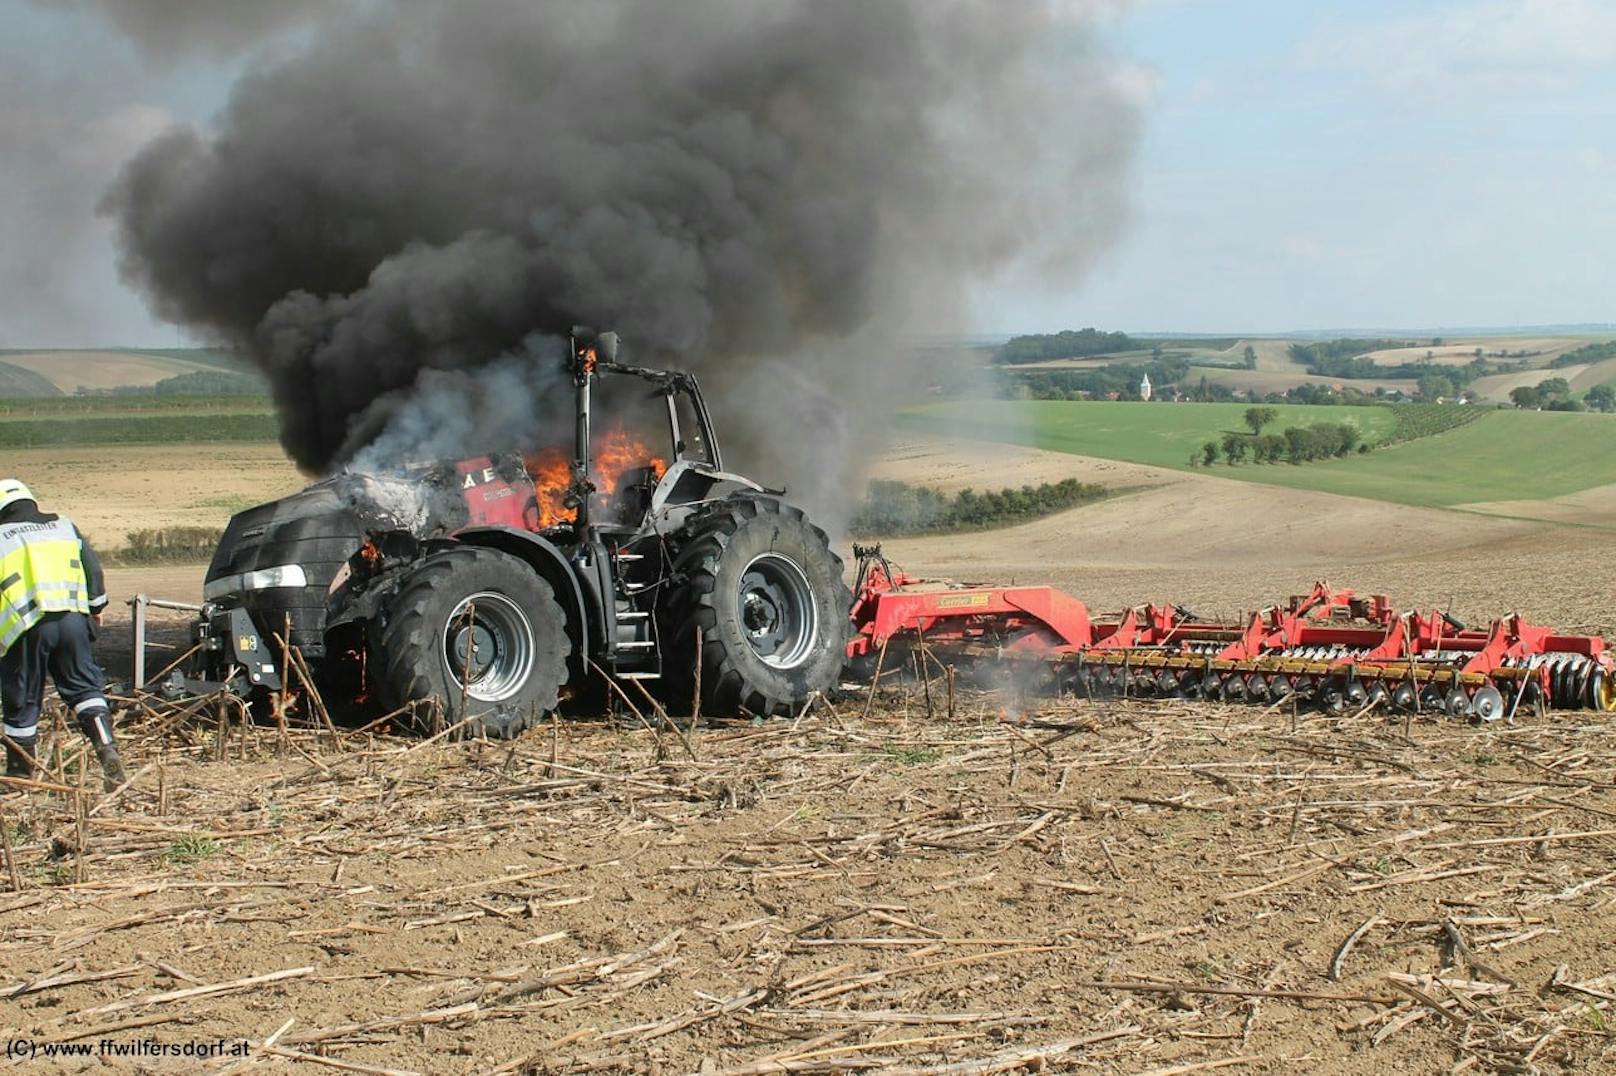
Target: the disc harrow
(1331, 649)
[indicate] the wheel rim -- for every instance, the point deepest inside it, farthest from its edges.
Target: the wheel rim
(500, 641)
(775, 606)
(1603, 691)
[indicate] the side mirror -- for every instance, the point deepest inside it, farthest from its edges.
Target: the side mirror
(606, 347)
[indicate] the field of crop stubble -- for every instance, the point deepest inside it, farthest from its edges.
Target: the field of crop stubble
(1124, 887)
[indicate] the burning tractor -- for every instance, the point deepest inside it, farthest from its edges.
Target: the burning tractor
(498, 585)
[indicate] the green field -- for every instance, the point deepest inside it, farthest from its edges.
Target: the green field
(1165, 435)
(33, 407)
(138, 429)
(1503, 455)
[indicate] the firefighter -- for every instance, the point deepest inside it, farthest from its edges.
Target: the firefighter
(52, 596)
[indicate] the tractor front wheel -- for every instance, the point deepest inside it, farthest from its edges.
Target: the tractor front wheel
(767, 593)
(480, 632)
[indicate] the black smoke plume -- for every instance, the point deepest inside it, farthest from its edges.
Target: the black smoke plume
(768, 191)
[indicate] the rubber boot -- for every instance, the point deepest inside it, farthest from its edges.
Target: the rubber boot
(20, 759)
(97, 728)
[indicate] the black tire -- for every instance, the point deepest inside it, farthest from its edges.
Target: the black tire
(519, 623)
(768, 594)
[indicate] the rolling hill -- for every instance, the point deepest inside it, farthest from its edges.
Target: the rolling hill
(1502, 456)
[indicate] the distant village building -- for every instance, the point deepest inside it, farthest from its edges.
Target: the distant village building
(1144, 387)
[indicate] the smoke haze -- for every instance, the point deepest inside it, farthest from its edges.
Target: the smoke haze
(770, 193)
(167, 28)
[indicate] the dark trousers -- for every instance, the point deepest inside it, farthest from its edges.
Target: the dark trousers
(59, 645)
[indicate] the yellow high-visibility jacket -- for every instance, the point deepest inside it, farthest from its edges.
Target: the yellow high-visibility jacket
(45, 567)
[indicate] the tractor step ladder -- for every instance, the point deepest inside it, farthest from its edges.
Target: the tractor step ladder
(635, 650)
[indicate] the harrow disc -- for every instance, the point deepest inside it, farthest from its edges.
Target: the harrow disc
(1457, 702)
(1557, 682)
(1488, 704)
(1585, 675)
(1403, 697)
(1333, 700)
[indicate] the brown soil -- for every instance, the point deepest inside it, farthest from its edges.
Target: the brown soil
(952, 465)
(1600, 373)
(841, 892)
(1094, 886)
(1589, 507)
(109, 492)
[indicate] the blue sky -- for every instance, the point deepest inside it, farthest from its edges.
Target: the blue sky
(1363, 164)
(1426, 163)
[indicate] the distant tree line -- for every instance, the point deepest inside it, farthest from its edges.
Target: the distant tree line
(1554, 394)
(1329, 359)
(1070, 344)
(195, 383)
(1298, 444)
(1121, 378)
(891, 509)
(1589, 353)
(1341, 354)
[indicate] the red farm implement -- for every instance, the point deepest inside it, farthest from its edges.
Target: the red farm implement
(1328, 648)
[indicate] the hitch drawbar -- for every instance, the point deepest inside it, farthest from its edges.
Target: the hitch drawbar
(1332, 648)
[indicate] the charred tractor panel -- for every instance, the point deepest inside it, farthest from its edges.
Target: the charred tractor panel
(494, 587)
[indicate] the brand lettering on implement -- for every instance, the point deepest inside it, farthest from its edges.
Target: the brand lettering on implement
(964, 601)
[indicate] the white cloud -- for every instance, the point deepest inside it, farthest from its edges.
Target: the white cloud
(1493, 44)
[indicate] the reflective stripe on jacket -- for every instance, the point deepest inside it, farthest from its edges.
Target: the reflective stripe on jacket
(41, 571)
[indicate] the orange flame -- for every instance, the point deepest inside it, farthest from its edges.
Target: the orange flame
(551, 475)
(615, 452)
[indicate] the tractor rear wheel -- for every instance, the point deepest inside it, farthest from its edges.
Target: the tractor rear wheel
(480, 632)
(762, 584)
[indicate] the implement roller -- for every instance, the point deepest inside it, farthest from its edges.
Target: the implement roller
(1329, 648)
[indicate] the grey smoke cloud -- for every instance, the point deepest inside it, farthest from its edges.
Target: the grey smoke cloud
(768, 192)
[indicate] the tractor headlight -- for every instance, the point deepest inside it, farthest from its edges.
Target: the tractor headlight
(285, 575)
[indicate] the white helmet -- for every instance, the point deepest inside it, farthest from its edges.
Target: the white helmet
(11, 491)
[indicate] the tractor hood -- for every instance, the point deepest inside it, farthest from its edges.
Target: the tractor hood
(314, 530)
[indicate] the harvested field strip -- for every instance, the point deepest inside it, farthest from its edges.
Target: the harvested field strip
(1138, 886)
(139, 429)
